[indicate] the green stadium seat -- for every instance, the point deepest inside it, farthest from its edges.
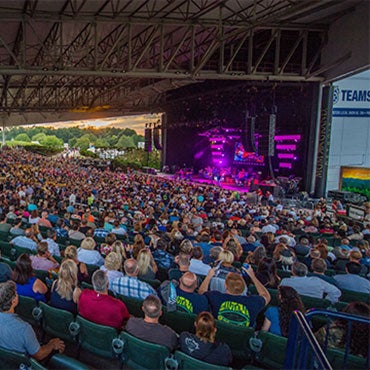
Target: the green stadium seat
(44, 231)
(336, 359)
(272, 354)
(16, 360)
(56, 322)
(75, 242)
(7, 250)
(4, 236)
(63, 362)
(237, 338)
(153, 283)
(27, 310)
(284, 274)
(311, 302)
(134, 350)
(91, 269)
(96, 338)
(21, 250)
(9, 262)
(351, 296)
(187, 362)
(133, 305)
(178, 321)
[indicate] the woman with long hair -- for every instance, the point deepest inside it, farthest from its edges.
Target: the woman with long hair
(27, 284)
(146, 265)
(112, 264)
(202, 345)
(65, 292)
(138, 245)
(277, 319)
(267, 273)
(82, 272)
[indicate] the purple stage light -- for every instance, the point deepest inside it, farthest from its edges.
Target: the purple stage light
(287, 137)
(286, 156)
(286, 147)
(285, 165)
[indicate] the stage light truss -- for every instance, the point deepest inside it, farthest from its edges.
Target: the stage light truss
(125, 55)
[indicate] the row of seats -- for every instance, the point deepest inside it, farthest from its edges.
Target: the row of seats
(266, 350)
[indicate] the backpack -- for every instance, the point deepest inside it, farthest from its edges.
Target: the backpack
(167, 293)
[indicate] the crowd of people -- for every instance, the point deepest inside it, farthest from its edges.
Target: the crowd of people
(209, 248)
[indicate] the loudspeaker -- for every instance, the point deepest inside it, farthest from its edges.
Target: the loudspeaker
(248, 130)
(272, 129)
(148, 139)
(157, 138)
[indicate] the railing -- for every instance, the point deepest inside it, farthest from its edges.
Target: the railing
(332, 315)
(303, 349)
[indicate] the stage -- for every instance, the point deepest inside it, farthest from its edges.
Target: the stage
(202, 181)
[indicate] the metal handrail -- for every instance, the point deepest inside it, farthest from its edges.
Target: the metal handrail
(298, 326)
(344, 316)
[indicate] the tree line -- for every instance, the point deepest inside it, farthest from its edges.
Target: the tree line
(76, 137)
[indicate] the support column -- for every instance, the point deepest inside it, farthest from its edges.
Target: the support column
(323, 142)
(3, 132)
(313, 139)
(164, 140)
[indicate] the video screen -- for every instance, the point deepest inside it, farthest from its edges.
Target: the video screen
(252, 158)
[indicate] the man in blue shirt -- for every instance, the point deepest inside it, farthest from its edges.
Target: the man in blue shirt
(25, 241)
(17, 335)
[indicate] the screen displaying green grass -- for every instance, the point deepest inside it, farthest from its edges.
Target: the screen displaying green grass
(356, 180)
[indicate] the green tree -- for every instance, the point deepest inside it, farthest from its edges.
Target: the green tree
(101, 143)
(51, 140)
(72, 142)
(39, 137)
(137, 139)
(83, 142)
(125, 142)
(22, 137)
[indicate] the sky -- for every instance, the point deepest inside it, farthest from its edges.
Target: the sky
(136, 123)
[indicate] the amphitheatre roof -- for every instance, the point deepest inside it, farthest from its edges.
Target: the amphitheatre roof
(68, 59)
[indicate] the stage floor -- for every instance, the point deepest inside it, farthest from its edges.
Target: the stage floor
(198, 180)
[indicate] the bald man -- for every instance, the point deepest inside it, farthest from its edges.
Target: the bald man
(187, 300)
(129, 285)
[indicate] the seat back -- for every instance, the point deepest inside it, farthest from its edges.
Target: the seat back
(7, 250)
(272, 354)
(15, 360)
(133, 305)
(134, 348)
(26, 309)
(55, 322)
(63, 362)
(21, 250)
(351, 296)
(178, 321)
(4, 235)
(336, 359)
(153, 283)
(187, 362)
(237, 338)
(96, 338)
(311, 302)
